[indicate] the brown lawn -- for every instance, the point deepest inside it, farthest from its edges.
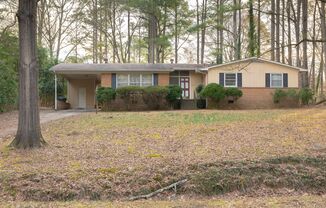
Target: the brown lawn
(116, 155)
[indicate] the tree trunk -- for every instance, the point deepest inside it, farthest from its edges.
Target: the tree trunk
(95, 54)
(305, 33)
(29, 130)
(283, 31)
(203, 32)
(129, 36)
(221, 32)
(239, 31)
(258, 29)
(323, 31)
(277, 36)
(198, 37)
(289, 3)
(297, 32)
(176, 45)
(273, 31)
(41, 22)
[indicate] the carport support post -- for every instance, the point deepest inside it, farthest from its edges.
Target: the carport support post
(55, 92)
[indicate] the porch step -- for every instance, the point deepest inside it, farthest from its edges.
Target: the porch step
(188, 104)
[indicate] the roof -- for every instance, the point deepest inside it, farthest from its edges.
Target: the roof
(255, 59)
(95, 68)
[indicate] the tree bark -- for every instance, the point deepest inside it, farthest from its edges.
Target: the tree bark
(277, 36)
(273, 31)
(259, 29)
(198, 37)
(29, 130)
(203, 32)
(289, 3)
(305, 33)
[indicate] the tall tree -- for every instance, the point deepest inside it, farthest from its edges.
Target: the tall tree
(272, 30)
(29, 130)
(252, 31)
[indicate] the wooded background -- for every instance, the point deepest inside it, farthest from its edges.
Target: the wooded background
(155, 31)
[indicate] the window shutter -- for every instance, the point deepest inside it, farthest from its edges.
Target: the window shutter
(155, 81)
(114, 81)
(268, 80)
(285, 80)
(239, 78)
(221, 81)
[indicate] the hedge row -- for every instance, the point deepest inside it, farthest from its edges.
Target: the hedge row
(152, 96)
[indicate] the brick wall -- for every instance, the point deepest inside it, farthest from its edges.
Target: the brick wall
(106, 80)
(254, 98)
(163, 79)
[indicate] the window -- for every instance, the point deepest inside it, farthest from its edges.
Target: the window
(174, 81)
(122, 80)
(134, 79)
(276, 80)
(147, 80)
(230, 80)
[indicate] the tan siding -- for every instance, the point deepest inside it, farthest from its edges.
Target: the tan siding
(163, 79)
(253, 74)
(73, 87)
(106, 80)
(195, 79)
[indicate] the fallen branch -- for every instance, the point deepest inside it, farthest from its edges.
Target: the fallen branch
(146, 196)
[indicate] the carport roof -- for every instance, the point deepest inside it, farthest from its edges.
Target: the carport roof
(98, 68)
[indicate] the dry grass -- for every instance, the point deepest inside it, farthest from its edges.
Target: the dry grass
(115, 155)
(301, 201)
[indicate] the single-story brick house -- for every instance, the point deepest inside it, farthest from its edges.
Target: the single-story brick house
(257, 78)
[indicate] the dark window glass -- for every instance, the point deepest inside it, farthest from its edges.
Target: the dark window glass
(174, 81)
(174, 73)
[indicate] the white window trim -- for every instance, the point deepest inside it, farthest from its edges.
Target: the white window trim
(141, 80)
(236, 80)
(282, 81)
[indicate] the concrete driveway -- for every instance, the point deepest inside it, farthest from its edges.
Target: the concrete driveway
(9, 121)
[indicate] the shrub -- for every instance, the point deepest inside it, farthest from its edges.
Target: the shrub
(233, 92)
(279, 95)
(105, 95)
(174, 93)
(8, 88)
(213, 91)
(125, 91)
(155, 96)
(305, 95)
(199, 88)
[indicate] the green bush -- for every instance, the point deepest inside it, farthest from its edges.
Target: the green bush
(233, 92)
(213, 91)
(105, 95)
(279, 95)
(125, 91)
(155, 97)
(199, 88)
(8, 88)
(305, 95)
(174, 93)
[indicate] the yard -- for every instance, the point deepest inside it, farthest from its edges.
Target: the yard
(268, 154)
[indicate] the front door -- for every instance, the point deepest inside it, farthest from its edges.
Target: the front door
(82, 98)
(184, 83)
